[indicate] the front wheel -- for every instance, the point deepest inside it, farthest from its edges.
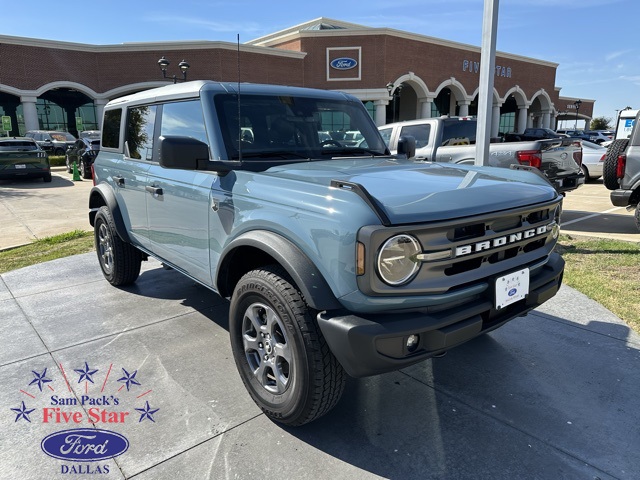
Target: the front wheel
(636, 216)
(120, 261)
(85, 172)
(281, 355)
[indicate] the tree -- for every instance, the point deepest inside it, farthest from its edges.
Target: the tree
(600, 123)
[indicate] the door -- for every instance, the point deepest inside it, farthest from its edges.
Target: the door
(178, 200)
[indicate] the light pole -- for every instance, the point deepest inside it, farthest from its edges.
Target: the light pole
(163, 63)
(577, 103)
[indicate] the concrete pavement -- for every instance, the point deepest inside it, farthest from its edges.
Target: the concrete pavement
(32, 209)
(550, 395)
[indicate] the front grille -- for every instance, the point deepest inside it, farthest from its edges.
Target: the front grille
(468, 249)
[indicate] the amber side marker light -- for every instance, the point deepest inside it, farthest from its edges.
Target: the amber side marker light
(360, 258)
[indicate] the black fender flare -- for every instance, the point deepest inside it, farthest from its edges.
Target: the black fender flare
(302, 270)
(102, 195)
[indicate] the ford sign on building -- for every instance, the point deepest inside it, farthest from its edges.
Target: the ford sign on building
(343, 63)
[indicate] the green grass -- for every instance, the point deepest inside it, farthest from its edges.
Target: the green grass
(607, 271)
(46, 249)
(59, 161)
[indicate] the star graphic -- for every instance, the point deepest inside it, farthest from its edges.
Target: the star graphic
(146, 412)
(129, 379)
(86, 373)
(22, 413)
(40, 378)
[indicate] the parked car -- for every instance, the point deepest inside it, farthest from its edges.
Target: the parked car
(581, 134)
(337, 260)
(22, 157)
(83, 153)
(593, 156)
(55, 143)
(90, 134)
(531, 134)
(597, 136)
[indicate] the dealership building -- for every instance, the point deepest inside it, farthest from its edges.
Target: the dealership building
(398, 75)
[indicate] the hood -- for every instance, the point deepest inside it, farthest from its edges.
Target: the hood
(411, 192)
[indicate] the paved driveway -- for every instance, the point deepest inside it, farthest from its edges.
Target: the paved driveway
(552, 395)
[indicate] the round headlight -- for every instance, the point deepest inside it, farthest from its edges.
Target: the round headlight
(397, 262)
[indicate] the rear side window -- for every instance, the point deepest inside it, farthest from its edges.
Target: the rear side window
(458, 132)
(140, 124)
(111, 128)
(419, 132)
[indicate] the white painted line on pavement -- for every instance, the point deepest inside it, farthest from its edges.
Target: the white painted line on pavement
(564, 224)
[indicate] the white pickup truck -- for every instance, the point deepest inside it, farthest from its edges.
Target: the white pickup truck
(452, 140)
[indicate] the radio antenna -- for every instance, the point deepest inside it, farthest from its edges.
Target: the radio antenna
(239, 110)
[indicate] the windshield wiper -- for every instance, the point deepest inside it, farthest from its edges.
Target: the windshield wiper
(352, 152)
(283, 154)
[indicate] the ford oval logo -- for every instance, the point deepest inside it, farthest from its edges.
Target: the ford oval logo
(343, 63)
(84, 445)
(512, 292)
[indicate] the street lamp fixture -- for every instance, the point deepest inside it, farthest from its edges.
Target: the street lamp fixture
(577, 104)
(163, 63)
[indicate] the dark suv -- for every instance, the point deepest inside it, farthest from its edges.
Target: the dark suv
(53, 142)
(83, 153)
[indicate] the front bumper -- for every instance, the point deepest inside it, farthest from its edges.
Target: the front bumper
(372, 344)
(621, 198)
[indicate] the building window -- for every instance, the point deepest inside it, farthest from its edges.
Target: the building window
(507, 122)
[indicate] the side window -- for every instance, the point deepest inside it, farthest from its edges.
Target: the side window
(419, 132)
(140, 124)
(183, 119)
(386, 135)
(111, 128)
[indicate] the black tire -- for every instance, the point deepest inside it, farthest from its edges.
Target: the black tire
(46, 178)
(585, 170)
(611, 163)
(58, 152)
(636, 216)
(85, 172)
(281, 355)
(120, 261)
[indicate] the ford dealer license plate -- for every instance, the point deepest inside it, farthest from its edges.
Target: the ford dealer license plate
(511, 288)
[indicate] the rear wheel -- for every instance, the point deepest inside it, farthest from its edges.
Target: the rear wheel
(609, 171)
(281, 355)
(120, 261)
(636, 216)
(585, 170)
(46, 177)
(85, 172)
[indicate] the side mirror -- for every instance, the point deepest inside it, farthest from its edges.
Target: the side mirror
(407, 146)
(186, 153)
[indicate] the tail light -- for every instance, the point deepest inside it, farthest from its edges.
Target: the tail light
(577, 155)
(602, 158)
(531, 158)
(622, 163)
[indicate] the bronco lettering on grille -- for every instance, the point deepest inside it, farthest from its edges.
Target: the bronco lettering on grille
(504, 240)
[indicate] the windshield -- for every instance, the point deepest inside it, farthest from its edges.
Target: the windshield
(293, 128)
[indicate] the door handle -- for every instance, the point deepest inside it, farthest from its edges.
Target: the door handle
(153, 190)
(119, 181)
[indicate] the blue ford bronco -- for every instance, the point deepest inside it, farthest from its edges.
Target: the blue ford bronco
(338, 258)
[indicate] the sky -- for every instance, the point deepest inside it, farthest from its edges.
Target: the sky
(591, 40)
